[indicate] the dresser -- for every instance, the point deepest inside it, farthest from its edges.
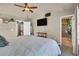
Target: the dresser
(42, 34)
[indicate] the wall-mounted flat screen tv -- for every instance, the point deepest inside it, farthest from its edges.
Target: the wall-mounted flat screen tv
(42, 22)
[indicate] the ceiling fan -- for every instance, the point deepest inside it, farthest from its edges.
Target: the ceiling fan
(26, 7)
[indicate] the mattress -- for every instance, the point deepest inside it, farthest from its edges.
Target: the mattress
(38, 46)
(31, 46)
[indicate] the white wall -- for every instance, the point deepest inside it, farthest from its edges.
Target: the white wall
(53, 27)
(8, 30)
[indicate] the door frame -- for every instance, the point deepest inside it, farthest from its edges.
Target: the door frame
(61, 26)
(74, 41)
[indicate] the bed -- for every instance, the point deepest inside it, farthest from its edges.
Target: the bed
(31, 46)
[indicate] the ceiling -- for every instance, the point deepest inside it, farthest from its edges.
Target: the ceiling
(10, 9)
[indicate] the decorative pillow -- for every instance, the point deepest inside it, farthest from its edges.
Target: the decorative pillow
(3, 41)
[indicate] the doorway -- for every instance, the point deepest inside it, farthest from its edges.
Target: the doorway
(66, 35)
(20, 28)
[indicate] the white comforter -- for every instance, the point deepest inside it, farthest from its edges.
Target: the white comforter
(31, 46)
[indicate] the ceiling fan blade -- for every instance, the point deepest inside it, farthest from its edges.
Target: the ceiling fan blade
(23, 10)
(34, 7)
(19, 5)
(26, 4)
(31, 11)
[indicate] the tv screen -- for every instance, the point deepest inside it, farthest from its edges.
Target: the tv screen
(42, 22)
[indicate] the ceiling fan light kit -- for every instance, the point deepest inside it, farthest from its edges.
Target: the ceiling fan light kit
(27, 7)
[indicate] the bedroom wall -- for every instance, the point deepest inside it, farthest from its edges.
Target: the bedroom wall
(8, 30)
(53, 27)
(9, 16)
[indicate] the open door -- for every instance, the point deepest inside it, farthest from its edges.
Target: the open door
(68, 33)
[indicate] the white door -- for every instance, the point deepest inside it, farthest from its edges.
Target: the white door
(27, 28)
